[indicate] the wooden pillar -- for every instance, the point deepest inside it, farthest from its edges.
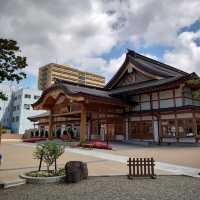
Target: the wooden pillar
(176, 121)
(83, 124)
(195, 126)
(91, 127)
(127, 129)
(50, 137)
(107, 136)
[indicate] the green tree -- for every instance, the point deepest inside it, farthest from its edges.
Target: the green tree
(48, 152)
(11, 63)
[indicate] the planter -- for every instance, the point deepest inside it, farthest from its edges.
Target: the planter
(42, 180)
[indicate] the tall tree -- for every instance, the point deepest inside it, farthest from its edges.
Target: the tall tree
(11, 63)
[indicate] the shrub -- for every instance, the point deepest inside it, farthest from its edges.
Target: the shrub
(32, 133)
(46, 133)
(48, 152)
(53, 133)
(64, 132)
(42, 133)
(58, 133)
(37, 133)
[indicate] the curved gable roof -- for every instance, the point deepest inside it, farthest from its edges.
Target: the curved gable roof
(147, 65)
(79, 91)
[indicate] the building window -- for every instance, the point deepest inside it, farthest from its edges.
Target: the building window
(0, 108)
(13, 119)
(185, 128)
(36, 97)
(18, 107)
(27, 106)
(27, 96)
(168, 128)
(17, 118)
(141, 129)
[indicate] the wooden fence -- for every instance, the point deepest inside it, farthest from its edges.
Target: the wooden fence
(141, 167)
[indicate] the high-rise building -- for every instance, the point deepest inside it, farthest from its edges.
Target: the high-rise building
(49, 73)
(17, 108)
(6, 105)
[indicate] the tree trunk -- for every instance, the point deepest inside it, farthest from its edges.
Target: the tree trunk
(55, 165)
(48, 169)
(40, 165)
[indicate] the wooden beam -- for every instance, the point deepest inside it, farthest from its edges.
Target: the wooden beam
(67, 113)
(83, 124)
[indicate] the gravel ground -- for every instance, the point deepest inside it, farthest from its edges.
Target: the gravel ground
(117, 188)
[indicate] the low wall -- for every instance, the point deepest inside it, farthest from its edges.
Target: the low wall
(11, 137)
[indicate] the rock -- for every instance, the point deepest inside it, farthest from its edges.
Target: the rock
(75, 171)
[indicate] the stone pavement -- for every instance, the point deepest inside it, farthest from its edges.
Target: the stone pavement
(18, 159)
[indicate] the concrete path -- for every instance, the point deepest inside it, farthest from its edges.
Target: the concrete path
(175, 169)
(101, 154)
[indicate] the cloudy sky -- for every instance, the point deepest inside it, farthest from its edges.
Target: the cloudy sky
(94, 35)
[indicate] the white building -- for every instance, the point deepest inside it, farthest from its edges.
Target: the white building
(14, 111)
(6, 106)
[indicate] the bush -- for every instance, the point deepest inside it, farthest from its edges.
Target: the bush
(37, 133)
(48, 152)
(32, 133)
(46, 133)
(58, 133)
(42, 133)
(64, 132)
(53, 134)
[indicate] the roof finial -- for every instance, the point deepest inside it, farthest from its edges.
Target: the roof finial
(133, 53)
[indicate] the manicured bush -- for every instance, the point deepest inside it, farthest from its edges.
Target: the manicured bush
(42, 133)
(46, 133)
(58, 133)
(64, 132)
(32, 133)
(48, 152)
(37, 133)
(53, 134)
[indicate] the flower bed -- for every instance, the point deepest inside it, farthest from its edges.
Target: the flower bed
(41, 177)
(98, 145)
(34, 139)
(44, 173)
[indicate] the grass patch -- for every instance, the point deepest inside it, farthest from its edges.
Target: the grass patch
(44, 173)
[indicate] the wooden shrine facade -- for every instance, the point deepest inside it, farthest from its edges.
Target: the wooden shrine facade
(145, 100)
(94, 117)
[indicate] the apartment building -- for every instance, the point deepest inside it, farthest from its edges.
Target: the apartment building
(15, 111)
(6, 106)
(49, 73)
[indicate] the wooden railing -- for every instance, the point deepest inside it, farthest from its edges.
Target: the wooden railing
(141, 167)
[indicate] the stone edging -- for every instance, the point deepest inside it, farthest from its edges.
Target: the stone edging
(42, 180)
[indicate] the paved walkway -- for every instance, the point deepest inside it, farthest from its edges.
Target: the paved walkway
(175, 169)
(18, 158)
(171, 168)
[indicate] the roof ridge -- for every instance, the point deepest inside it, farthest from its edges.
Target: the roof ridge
(135, 54)
(138, 83)
(60, 81)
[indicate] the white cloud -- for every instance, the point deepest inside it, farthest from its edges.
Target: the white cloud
(79, 32)
(186, 54)
(101, 66)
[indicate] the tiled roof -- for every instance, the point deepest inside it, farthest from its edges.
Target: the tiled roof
(147, 84)
(76, 89)
(147, 65)
(33, 118)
